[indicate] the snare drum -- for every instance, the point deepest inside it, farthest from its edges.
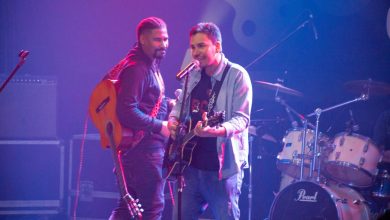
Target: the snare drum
(308, 200)
(289, 159)
(354, 160)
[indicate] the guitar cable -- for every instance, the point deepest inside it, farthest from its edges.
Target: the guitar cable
(77, 195)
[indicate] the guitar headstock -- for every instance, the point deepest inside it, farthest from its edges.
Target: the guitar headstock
(135, 208)
(216, 119)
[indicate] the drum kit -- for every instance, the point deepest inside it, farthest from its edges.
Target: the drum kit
(330, 176)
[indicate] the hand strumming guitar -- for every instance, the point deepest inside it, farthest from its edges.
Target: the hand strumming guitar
(164, 129)
(207, 131)
(172, 126)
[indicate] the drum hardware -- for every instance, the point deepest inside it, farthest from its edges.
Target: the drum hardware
(351, 125)
(382, 185)
(357, 202)
(294, 124)
(344, 201)
(317, 112)
(256, 131)
(250, 185)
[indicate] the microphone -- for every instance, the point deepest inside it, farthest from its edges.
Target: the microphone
(313, 26)
(23, 54)
(194, 64)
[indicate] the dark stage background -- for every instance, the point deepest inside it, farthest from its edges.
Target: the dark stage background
(73, 44)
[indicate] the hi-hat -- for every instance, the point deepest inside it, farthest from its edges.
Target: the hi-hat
(279, 87)
(368, 86)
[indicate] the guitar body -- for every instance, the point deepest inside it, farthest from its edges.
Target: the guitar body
(173, 155)
(102, 109)
(180, 155)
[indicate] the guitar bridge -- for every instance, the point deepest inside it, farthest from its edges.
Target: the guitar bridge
(102, 104)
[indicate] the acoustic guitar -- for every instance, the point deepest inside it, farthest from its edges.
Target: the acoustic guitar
(182, 152)
(102, 109)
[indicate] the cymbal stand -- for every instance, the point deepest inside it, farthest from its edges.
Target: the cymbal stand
(294, 124)
(317, 112)
(250, 186)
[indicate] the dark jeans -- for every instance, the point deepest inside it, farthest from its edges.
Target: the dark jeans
(144, 180)
(203, 188)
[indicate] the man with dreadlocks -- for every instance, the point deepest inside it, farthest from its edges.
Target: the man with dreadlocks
(141, 106)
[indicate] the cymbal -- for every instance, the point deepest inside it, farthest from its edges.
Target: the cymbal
(279, 87)
(368, 86)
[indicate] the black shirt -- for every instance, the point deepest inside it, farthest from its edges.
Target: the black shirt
(205, 155)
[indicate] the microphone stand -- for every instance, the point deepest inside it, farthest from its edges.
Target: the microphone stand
(179, 140)
(278, 43)
(22, 54)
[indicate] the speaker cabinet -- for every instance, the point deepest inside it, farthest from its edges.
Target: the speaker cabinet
(32, 177)
(28, 108)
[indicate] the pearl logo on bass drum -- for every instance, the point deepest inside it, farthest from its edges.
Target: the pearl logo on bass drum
(302, 197)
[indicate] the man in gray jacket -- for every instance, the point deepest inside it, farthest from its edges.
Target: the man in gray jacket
(214, 176)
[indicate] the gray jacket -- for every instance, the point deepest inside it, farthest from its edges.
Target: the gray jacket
(235, 98)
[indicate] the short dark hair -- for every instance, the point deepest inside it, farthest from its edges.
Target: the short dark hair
(149, 23)
(210, 29)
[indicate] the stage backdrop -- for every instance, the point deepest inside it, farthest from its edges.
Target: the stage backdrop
(314, 47)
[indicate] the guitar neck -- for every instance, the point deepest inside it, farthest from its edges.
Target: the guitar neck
(118, 172)
(131, 203)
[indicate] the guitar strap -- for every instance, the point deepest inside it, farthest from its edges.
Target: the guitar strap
(156, 107)
(114, 75)
(216, 89)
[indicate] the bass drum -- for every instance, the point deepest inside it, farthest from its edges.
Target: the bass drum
(307, 201)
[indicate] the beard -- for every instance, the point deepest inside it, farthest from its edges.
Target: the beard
(159, 53)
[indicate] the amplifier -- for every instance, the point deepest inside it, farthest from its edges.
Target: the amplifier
(28, 108)
(32, 177)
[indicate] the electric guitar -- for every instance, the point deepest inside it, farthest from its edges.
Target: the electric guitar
(183, 152)
(102, 109)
